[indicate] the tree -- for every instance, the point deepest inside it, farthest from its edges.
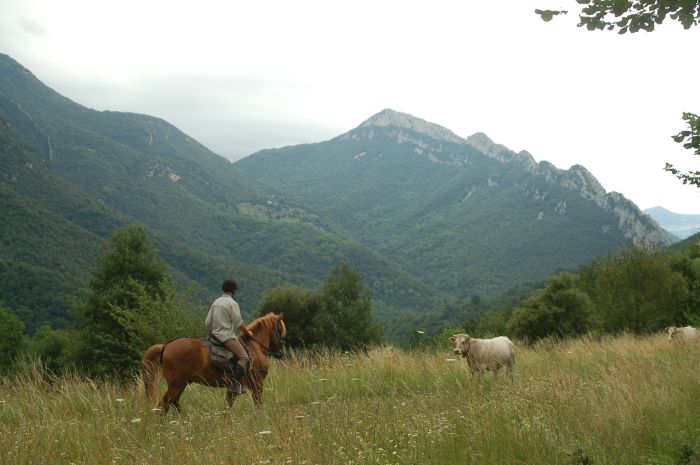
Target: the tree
(631, 15)
(11, 339)
(338, 315)
(643, 15)
(303, 310)
(687, 263)
(561, 308)
(690, 140)
(348, 309)
(54, 347)
(635, 290)
(124, 308)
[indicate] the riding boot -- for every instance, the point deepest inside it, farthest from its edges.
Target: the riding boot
(237, 379)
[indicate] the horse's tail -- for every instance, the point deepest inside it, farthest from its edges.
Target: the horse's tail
(150, 369)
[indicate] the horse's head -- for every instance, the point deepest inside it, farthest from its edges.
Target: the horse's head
(276, 340)
(269, 331)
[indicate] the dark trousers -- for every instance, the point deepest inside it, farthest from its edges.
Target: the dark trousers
(235, 346)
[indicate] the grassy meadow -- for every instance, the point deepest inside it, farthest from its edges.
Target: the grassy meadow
(621, 400)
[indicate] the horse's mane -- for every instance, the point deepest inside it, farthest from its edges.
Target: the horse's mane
(267, 322)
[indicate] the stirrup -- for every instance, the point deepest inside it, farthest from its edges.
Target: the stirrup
(236, 388)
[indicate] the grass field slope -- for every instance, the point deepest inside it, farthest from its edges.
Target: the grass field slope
(618, 401)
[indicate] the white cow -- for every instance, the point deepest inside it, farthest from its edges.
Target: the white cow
(486, 354)
(687, 335)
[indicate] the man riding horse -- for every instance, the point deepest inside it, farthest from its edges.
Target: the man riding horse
(222, 323)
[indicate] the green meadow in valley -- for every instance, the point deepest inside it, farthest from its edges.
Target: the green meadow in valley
(622, 400)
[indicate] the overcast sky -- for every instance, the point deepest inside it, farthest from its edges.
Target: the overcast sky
(243, 76)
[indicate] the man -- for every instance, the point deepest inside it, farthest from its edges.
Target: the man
(223, 321)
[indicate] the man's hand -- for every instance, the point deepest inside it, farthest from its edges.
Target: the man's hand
(245, 331)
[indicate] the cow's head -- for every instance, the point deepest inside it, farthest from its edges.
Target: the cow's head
(461, 342)
(671, 333)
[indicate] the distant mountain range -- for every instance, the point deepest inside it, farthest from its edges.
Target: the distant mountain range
(678, 224)
(426, 216)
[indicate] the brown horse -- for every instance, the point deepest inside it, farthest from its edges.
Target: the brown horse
(186, 360)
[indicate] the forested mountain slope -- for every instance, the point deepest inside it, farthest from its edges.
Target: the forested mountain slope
(71, 175)
(466, 216)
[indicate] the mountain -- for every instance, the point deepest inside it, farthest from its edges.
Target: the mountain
(70, 175)
(677, 224)
(465, 216)
(426, 216)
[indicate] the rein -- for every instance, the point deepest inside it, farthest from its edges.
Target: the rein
(266, 346)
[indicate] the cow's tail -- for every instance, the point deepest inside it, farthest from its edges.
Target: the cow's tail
(150, 369)
(511, 367)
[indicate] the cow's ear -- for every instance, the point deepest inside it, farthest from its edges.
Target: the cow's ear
(453, 338)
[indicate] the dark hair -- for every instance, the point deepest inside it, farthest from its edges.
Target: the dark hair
(229, 286)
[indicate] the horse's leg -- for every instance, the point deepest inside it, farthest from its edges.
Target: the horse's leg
(230, 398)
(256, 392)
(172, 396)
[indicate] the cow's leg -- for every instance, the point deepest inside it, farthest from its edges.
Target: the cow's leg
(510, 368)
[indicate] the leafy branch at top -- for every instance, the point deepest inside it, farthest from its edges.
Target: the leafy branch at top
(632, 15)
(690, 140)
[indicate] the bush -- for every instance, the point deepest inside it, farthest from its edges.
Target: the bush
(11, 339)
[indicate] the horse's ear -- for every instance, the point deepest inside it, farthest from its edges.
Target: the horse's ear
(280, 315)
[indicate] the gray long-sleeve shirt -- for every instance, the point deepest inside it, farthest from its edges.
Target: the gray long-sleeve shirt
(224, 318)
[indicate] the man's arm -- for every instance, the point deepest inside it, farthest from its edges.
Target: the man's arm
(238, 321)
(245, 331)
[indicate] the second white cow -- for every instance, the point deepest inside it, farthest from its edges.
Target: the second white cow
(688, 335)
(486, 354)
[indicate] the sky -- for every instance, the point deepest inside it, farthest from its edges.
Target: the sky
(245, 76)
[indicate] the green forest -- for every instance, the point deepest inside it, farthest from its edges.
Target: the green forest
(130, 304)
(633, 290)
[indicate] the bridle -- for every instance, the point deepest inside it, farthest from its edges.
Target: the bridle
(275, 341)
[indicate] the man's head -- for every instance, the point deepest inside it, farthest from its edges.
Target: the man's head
(229, 286)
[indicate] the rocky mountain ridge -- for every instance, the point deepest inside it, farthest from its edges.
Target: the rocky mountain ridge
(639, 229)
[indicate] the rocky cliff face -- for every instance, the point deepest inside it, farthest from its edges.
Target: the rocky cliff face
(639, 228)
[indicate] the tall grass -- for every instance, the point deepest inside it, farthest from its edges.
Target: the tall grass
(611, 401)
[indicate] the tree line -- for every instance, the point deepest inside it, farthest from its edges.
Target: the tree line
(634, 290)
(130, 304)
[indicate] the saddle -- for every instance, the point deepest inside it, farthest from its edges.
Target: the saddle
(220, 357)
